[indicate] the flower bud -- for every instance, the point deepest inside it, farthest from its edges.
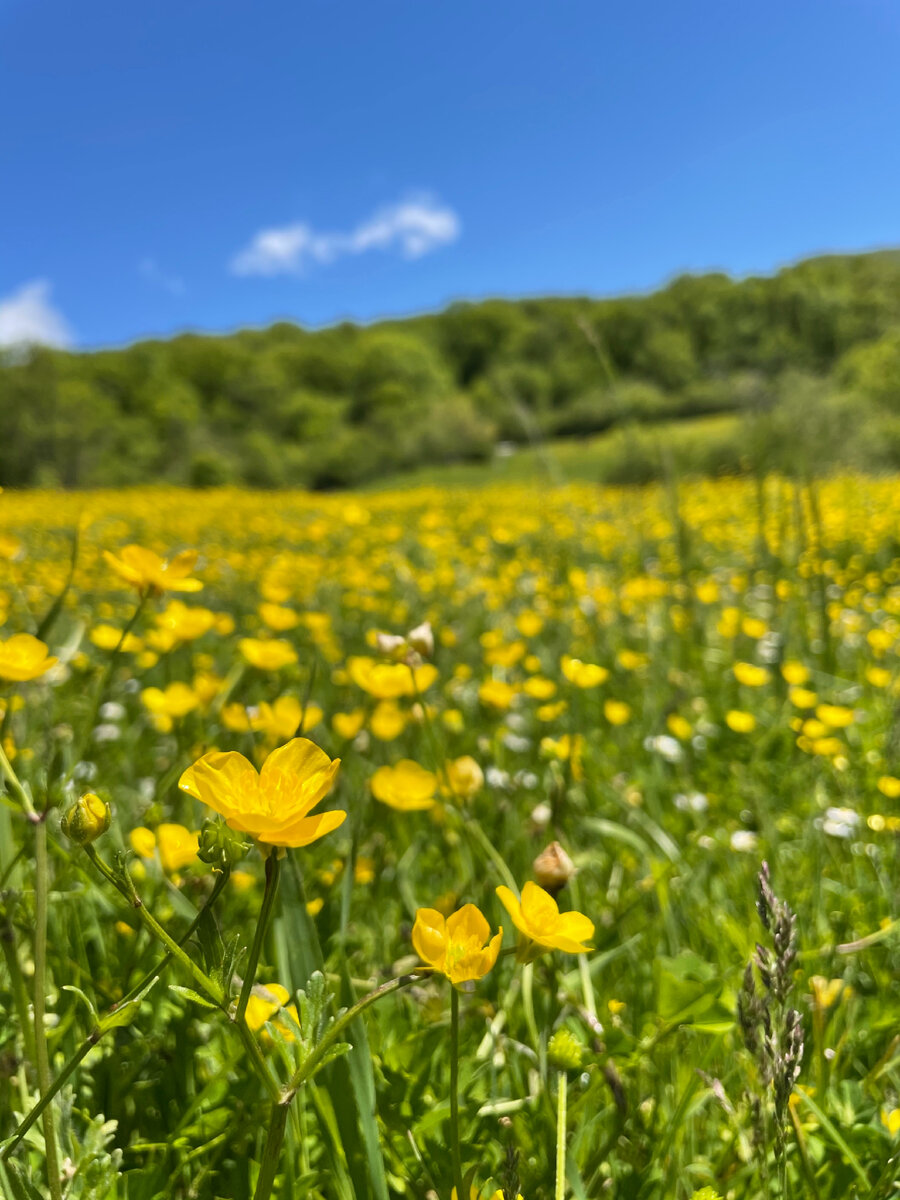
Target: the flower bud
(220, 846)
(564, 1051)
(391, 645)
(422, 639)
(553, 868)
(86, 820)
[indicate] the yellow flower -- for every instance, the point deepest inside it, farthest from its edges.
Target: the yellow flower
(539, 688)
(543, 926)
(891, 1120)
(740, 722)
(406, 787)
(348, 725)
(24, 657)
(176, 701)
(281, 720)
(86, 820)
(802, 697)
(825, 991)
(364, 870)
(460, 947)
(265, 1001)
(617, 712)
(389, 681)
(889, 785)
(269, 655)
(273, 806)
(152, 575)
(835, 716)
(107, 637)
(181, 623)
(496, 693)
(794, 672)
(143, 842)
(278, 618)
(878, 676)
(177, 845)
(388, 720)
(679, 726)
(465, 777)
(750, 675)
(582, 674)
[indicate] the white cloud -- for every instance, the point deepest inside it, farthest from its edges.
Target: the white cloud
(414, 227)
(153, 273)
(28, 316)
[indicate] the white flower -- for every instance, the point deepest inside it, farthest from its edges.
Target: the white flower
(694, 802)
(541, 814)
(107, 733)
(840, 822)
(112, 711)
(744, 841)
(666, 747)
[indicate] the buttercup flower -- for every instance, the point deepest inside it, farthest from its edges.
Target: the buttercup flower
(273, 806)
(460, 947)
(583, 674)
(405, 786)
(265, 1001)
(267, 655)
(464, 777)
(24, 657)
(152, 575)
(543, 926)
(86, 820)
(177, 845)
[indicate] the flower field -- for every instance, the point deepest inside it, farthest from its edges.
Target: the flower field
(520, 939)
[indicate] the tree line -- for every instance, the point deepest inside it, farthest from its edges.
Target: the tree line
(814, 348)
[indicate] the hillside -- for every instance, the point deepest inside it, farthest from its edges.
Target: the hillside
(807, 361)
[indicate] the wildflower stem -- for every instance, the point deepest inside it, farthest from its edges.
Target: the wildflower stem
(272, 1149)
(61, 1079)
(280, 1106)
(14, 787)
(97, 1033)
(562, 1089)
(454, 1090)
(41, 893)
(126, 888)
(262, 925)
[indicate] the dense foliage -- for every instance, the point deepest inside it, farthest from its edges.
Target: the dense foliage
(672, 684)
(815, 348)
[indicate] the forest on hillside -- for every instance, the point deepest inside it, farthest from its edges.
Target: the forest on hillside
(809, 358)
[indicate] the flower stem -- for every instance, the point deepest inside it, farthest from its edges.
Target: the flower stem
(97, 1033)
(561, 1088)
(454, 1091)
(272, 1149)
(262, 925)
(41, 893)
(126, 888)
(14, 787)
(280, 1106)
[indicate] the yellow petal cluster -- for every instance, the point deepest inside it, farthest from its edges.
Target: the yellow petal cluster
(24, 657)
(538, 919)
(460, 946)
(406, 786)
(150, 574)
(272, 805)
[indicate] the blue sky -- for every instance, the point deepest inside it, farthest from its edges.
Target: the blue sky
(195, 164)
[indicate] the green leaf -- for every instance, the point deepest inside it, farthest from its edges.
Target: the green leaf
(190, 994)
(686, 986)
